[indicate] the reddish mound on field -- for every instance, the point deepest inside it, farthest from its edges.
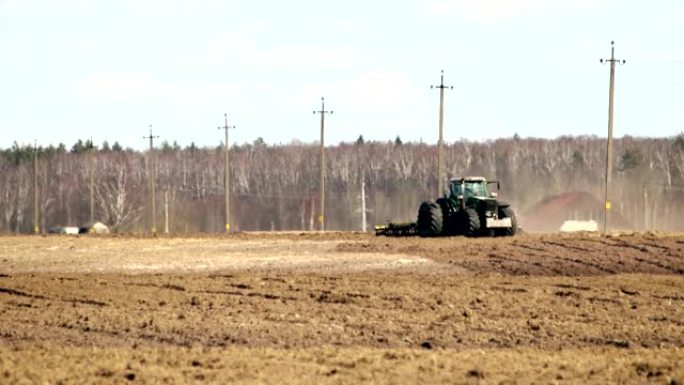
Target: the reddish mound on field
(553, 211)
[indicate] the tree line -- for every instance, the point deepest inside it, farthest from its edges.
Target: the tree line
(276, 187)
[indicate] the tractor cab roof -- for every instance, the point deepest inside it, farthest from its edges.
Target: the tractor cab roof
(469, 179)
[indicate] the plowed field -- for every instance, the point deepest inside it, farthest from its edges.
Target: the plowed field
(342, 308)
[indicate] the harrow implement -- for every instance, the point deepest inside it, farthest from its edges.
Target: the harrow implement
(397, 229)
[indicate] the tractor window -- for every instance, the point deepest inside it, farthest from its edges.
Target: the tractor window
(477, 189)
(456, 189)
(471, 189)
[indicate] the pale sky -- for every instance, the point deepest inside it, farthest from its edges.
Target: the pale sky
(73, 69)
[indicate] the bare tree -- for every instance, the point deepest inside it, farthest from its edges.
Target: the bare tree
(118, 203)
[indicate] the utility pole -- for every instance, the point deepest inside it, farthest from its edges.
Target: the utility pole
(609, 149)
(36, 226)
(646, 207)
(152, 181)
(363, 205)
(321, 217)
(166, 212)
(362, 174)
(226, 182)
(440, 145)
(92, 184)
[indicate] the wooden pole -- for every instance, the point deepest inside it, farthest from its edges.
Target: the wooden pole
(92, 183)
(226, 166)
(440, 144)
(36, 213)
(166, 212)
(321, 217)
(153, 178)
(609, 150)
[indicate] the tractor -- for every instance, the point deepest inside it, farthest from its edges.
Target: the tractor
(469, 209)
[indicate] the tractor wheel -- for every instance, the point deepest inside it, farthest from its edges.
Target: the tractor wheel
(470, 223)
(507, 212)
(448, 226)
(430, 220)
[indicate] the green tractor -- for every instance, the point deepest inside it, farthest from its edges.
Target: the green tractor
(469, 209)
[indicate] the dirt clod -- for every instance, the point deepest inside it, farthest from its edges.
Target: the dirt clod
(628, 291)
(332, 372)
(104, 373)
(622, 344)
(475, 373)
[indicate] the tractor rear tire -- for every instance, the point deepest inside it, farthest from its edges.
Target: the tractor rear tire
(470, 223)
(430, 220)
(507, 212)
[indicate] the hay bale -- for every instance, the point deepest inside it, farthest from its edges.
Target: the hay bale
(99, 228)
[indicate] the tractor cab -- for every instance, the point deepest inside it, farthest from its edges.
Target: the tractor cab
(462, 189)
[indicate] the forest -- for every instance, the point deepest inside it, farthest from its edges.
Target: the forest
(276, 187)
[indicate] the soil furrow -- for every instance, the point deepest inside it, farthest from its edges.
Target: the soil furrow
(20, 293)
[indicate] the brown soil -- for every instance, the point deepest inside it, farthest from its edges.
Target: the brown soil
(342, 308)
